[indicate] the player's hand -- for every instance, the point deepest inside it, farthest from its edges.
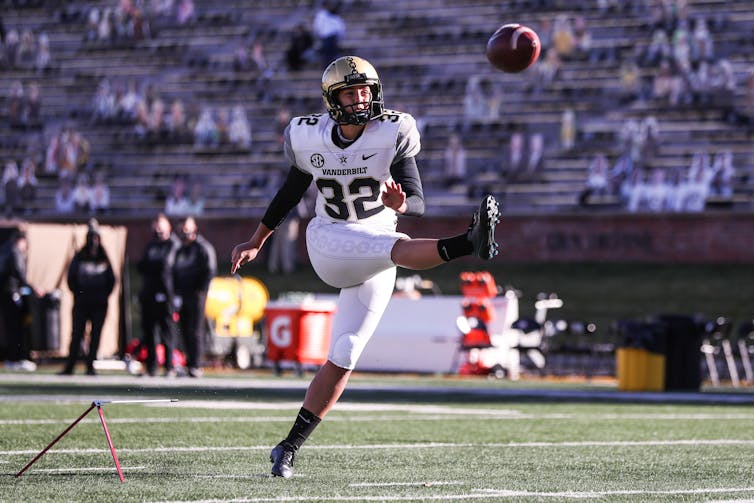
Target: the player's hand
(394, 197)
(243, 253)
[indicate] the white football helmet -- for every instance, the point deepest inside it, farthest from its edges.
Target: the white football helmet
(351, 71)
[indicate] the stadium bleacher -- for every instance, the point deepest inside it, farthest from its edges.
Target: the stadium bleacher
(425, 51)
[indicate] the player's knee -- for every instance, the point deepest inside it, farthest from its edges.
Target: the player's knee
(345, 350)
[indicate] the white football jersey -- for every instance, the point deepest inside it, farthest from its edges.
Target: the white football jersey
(350, 180)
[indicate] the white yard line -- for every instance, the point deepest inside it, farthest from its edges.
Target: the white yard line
(487, 493)
(430, 445)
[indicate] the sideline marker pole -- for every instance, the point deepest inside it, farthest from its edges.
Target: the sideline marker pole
(98, 404)
(110, 442)
(56, 440)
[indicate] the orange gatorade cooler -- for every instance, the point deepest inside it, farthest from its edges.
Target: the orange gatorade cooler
(299, 332)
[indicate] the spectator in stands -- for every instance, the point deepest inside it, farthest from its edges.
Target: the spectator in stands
(156, 122)
(259, 58)
(239, 132)
(82, 194)
(582, 40)
(282, 118)
(701, 163)
(43, 57)
(649, 140)
(544, 73)
(658, 50)
(634, 191)
(206, 133)
(27, 185)
(92, 25)
(186, 12)
(141, 120)
(668, 85)
(515, 157)
(176, 122)
(100, 194)
(223, 125)
(176, 202)
(195, 203)
(454, 162)
(745, 113)
(568, 129)
(695, 191)
(10, 186)
(724, 172)
(597, 179)
(300, 48)
(33, 106)
(630, 82)
(27, 50)
(241, 56)
(723, 87)
(106, 29)
(681, 46)
(128, 104)
(563, 38)
(674, 188)
(702, 44)
(329, 28)
(64, 202)
(104, 102)
(656, 192)
(12, 41)
(480, 101)
(536, 158)
(16, 101)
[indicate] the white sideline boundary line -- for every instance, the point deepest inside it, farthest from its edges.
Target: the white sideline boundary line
(429, 445)
(414, 414)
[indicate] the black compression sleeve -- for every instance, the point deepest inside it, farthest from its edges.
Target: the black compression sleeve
(287, 197)
(406, 172)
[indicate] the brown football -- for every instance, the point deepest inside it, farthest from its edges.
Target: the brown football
(513, 48)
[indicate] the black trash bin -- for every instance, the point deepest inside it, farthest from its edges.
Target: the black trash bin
(45, 328)
(683, 342)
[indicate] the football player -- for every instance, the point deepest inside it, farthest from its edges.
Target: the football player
(361, 158)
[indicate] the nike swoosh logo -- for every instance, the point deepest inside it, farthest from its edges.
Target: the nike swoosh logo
(364, 157)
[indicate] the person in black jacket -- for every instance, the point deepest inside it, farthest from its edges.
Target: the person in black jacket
(91, 279)
(191, 267)
(13, 288)
(154, 298)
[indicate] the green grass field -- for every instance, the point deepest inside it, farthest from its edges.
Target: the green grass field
(391, 438)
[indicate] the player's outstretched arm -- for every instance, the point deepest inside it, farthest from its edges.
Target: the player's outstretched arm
(246, 252)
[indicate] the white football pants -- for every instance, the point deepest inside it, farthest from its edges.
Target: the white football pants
(356, 259)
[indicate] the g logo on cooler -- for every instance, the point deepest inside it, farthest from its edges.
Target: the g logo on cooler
(280, 331)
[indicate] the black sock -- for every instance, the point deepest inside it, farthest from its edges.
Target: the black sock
(457, 246)
(302, 428)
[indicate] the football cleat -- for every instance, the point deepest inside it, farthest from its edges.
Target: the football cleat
(481, 232)
(282, 457)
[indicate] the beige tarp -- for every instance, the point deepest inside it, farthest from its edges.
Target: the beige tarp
(51, 248)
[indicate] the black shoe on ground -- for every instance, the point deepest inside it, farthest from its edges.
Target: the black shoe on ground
(481, 232)
(281, 457)
(91, 372)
